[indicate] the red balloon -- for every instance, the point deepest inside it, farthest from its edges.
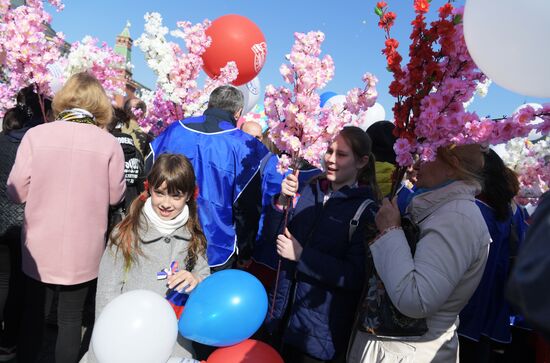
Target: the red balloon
(248, 351)
(235, 38)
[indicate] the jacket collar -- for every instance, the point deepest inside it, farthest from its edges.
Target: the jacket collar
(346, 191)
(16, 135)
(220, 115)
(425, 204)
(213, 120)
(150, 234)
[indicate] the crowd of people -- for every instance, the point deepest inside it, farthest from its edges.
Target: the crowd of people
(91, 206)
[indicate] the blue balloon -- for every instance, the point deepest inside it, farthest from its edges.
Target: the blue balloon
(225, 309)
(326, 96)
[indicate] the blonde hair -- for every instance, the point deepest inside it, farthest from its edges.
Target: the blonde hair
(84, 91)
(466, 161)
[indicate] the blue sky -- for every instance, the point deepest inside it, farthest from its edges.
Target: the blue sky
(353, 38)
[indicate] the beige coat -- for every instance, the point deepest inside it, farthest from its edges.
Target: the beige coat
(436, 284)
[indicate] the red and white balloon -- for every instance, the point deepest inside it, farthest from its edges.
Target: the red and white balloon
(238, 39)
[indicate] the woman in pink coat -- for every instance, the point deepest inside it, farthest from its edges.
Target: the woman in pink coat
(67, 172)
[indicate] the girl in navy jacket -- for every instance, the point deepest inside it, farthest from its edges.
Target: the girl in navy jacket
(323, 255)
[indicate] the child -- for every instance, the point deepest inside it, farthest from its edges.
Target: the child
(161, 226)
(322, 252)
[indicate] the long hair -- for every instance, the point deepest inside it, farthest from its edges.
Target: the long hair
(361, 145)
(178, 173)
(500, 185)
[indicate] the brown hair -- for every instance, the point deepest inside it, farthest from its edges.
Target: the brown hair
(466, 161)
(500, 185)
(84, 91)
(361, 145)
(178, 173)
(15, 118)
(138, 104)
(119, 117)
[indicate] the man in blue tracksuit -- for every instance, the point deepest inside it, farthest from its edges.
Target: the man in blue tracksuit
(226, 162)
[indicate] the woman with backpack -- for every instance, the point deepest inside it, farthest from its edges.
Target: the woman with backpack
(322, 252)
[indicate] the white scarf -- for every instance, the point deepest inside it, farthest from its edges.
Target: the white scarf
(163, 226)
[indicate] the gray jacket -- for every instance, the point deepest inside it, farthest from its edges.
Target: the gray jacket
(438, 281)
(158, 251)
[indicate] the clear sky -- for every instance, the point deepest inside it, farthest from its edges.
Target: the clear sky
(353, 38)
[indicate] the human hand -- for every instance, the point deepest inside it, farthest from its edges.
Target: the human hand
(181, 279)
(388, 215)
(288, 247)
(289, 188)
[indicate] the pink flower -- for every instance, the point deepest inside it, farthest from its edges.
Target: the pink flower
(27, 51)
(404, 159)
(178, 94)
(284, 164)
(525, 114)
(298, 126)
(433, 87)
(107, 66)
(402, 146)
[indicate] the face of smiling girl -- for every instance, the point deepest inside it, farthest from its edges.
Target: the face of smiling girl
(167, 206)
(341, 165)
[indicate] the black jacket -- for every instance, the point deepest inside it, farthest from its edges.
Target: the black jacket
(134, 170)
(530, 278)
(11, 215)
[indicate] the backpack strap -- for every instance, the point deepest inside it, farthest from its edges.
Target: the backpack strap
(355, 220)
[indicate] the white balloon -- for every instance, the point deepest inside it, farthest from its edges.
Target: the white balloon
(139, 326)
(181, 360)
(251, 92)
(509, 42)
(335, 100)
(56, 71)
(372, 115)
(533, 135)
